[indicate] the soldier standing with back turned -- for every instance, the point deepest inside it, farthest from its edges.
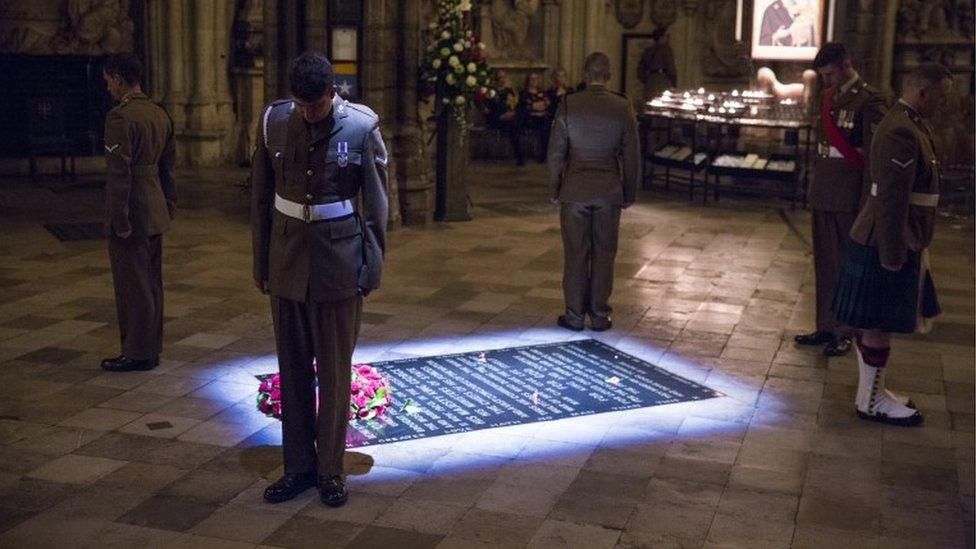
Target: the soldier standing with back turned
(140, 200)
(317, 257)
(850, 110)
(594, 167)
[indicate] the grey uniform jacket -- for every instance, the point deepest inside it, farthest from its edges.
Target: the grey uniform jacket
(328, 260)
(594, 152)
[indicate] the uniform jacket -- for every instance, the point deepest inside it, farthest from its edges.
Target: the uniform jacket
(836, 186)
(905, 175)
(656, 70)
(327, 260)
(140, 194)
(594, 152)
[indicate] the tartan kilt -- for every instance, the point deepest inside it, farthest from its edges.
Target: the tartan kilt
(870, 297)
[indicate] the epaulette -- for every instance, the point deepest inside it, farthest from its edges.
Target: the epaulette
(267, 115)
(362, 109)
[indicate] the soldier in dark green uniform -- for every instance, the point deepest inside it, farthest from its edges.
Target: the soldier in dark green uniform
(140, 200)
(849, 112)
(317, 255)
(885, 285)
(594, 167)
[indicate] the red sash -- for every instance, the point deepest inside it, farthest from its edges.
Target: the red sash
(835, 137)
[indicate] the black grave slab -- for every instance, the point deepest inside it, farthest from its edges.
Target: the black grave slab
(471, 391)
(69, 232)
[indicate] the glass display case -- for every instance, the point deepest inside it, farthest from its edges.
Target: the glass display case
(727, 141)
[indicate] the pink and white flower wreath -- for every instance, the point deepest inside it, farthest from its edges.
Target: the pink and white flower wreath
(370, 394)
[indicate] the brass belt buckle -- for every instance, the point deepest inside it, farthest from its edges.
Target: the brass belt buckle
(306, 212)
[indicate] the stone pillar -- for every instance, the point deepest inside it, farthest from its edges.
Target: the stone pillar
(202, 137)
(452, 161)
(316, 26)
(551, 33)
(412, 174)
(224, 18)
(567, 57)
(687, 47)
(248, 75)
(172, 88)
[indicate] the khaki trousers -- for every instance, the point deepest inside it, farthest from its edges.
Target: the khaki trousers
(137, 274)
(326, 332)
(590, 233)
(831, 232)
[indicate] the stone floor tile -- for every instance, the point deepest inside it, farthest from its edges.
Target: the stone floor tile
(555, 533)
(489, 527)
(522, 500)
(159, 425)
(675, 521)
(217, 487)
(191, 541)
(142, 477)
(304, 531)
(421, 515)
(137, 401)
(694, 469)
(51, 532)
(168, 513)
(128, 535)
(75, 469)
(378, 536)
(454, 491)
(241, 523)
(362, 508)
(838, 514)
(100, 419)
(814, 537)
(730, 531)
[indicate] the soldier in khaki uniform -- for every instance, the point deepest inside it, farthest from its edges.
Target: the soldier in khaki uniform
(594, 168)
(850, 111)
(656, 68)
(140, 200)
(317, 255)
(886, 285)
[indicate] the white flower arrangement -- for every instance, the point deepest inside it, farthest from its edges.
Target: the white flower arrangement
(454, 69)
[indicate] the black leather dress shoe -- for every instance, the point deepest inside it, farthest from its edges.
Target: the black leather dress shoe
(289, 486)
(601, 324)
(125, 364)
(113, 359)
(838, 347)
(564, 322)
(815, 338)
(333, 491)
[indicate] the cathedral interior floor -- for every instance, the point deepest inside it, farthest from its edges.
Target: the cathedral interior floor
(180, 456)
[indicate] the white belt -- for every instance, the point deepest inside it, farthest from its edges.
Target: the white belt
(925, 200)
(313, 212)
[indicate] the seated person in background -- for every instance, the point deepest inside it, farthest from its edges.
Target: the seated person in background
(533, 115)
(557, 90)
(500, 113)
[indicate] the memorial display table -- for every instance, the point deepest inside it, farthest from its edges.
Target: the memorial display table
(706, 143)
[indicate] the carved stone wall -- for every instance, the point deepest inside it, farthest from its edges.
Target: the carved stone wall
(189, 60)
(941, 31)
(44, 27)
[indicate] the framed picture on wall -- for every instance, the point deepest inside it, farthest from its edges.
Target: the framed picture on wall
(633, 46)
(787, 29)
